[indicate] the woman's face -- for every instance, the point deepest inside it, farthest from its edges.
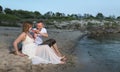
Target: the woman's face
(30, 28)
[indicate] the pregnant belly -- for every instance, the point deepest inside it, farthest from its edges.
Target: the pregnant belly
(29, 49)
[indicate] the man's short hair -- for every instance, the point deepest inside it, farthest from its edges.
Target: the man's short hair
(40, 21)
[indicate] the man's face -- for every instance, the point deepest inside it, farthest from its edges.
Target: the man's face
(39, 25)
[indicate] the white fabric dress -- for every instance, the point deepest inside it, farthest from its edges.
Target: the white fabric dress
(39, 54)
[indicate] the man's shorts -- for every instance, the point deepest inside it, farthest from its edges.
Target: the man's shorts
(49, 42)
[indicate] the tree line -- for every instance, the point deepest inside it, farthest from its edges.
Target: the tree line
(13, 16)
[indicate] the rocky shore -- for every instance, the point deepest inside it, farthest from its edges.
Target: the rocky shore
(66, 39)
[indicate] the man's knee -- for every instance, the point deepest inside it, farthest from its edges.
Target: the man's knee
(50, 42)
(53, 41)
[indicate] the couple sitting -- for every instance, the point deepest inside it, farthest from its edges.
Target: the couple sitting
(34, 47)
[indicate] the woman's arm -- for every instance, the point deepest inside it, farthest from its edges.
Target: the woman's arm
(15, 43)
(35, 35)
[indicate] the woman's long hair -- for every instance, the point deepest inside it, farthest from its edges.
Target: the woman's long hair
(26, 26)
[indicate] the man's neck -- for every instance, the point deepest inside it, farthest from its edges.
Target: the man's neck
(39, 29)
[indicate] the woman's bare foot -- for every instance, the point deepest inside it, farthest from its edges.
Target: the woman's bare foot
(62, 62)
(20, 54)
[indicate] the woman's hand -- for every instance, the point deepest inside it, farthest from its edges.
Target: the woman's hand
(20, 54)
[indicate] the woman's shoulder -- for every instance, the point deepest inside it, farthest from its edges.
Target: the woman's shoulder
(23, 34)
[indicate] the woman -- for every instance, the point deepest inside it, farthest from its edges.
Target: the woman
(38, 54)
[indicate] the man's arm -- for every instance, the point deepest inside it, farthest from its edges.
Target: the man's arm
(43, 34)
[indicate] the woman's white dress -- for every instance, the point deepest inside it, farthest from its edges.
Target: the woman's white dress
(39, 54)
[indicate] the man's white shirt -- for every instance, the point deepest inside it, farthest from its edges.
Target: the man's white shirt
(39, 39)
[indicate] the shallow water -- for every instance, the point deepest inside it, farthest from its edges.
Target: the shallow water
(99, 55)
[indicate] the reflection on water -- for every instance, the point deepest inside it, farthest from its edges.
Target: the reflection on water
(106, 39)
(100, 53)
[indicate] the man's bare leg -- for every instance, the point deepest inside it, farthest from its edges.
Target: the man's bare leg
(55, 48)
(57, 52)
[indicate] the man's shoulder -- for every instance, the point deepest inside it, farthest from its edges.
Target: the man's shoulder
(43, 28)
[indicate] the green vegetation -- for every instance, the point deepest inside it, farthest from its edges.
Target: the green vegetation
(10, 17)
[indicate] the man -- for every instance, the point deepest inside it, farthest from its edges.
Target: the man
(42, 32)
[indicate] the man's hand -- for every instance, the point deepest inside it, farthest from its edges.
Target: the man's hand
(37, 31)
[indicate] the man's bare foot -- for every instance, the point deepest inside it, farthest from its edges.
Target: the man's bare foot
(63, 58)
